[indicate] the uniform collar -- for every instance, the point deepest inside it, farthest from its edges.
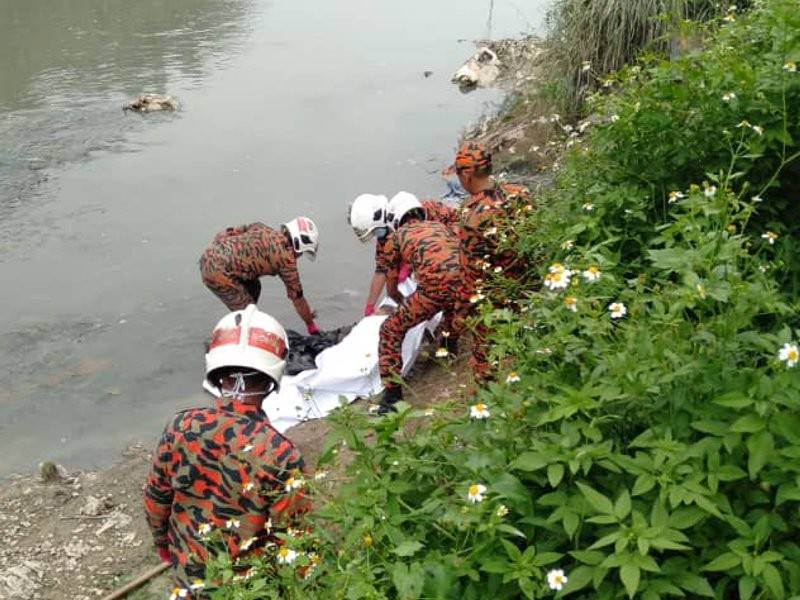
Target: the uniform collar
(250, 410)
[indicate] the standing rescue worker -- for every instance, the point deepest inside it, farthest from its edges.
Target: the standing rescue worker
(225, 468)
(370, 216)
(434, 255)
(232, 265)
(484, 216)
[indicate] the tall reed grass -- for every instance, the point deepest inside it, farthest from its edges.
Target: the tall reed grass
(590, 38)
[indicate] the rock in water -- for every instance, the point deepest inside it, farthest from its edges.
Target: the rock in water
(49, 472)
(151, 103)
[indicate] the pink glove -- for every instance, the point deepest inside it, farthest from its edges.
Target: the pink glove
(403, 273)
(369, 309)
(163, 554)
(313, 329)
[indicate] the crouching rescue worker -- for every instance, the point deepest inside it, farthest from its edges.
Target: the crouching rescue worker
(433, 253)
(224, 470)
(372, 216)
(232, 265)
(483, 218)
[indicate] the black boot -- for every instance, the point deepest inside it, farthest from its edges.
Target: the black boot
(391, 396)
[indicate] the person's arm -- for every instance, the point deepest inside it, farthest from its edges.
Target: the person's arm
(304, 312)
(158, 494)
(291, 279)
(375, 288)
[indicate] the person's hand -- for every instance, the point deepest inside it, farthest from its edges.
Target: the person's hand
(163, 554)
(313, 329)
(369, 310)
(403, 273)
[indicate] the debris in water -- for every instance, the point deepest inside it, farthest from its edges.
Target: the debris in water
(481, 70)
(151, 103)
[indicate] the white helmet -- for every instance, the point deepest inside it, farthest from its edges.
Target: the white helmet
(367, 213)
(251, 339)
(304, 234)
(399, 206)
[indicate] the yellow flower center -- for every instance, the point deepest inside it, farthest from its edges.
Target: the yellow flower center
(283, 552)
(480, 407)
(792, 355)
(474, 490)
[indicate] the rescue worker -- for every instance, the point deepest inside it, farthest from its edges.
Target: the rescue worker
(483, 217)
(370, 216)
(434, 255)
(226, 468)
(238, 256)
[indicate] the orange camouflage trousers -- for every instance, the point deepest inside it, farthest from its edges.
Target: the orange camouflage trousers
(234, 292)
(422, 305)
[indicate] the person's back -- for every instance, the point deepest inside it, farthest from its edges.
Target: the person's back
(219, 468)
(431, 249)
(253, 252)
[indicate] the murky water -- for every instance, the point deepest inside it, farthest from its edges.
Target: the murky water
(287, 108)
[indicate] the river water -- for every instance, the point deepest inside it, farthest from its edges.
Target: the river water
(287, 108)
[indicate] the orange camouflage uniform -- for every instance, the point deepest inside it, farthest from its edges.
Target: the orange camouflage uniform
(482, 219)
(435, 256)
(238, 256)
(224, 467)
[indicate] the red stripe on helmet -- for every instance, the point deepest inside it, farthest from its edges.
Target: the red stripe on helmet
(302, 224)
(266, 340)
(223, 337)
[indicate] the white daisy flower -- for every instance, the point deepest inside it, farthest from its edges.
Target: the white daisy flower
(758, 130)
(178, 593)
(558, 277)
(479, 411)
(790, 354)
(617, 310)
(742, 124)
(675, 196)
(770, 236)
(502, 511)
(294, 483)
(592, 274)
(204, 529)
(498, 269)
(286, 556)
(588, 207)
(571, 302)
(757, 199)
(247, 543)
(614, 118)
(320, 475)
(248, 487)
(475, 493)
(442, 353)
(556, 579)
(790, 66)
(475, 298)
(710, 191)
(232, 524)
(512, 377)
(197, 584)
(567, 245)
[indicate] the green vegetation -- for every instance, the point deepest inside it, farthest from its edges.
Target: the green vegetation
(650, 452)
(590, 38)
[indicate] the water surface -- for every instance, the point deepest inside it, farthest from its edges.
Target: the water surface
(287, 108)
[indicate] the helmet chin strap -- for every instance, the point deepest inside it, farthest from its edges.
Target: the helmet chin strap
(239, 387)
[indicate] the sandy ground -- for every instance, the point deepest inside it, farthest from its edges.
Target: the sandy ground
(85, 535)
